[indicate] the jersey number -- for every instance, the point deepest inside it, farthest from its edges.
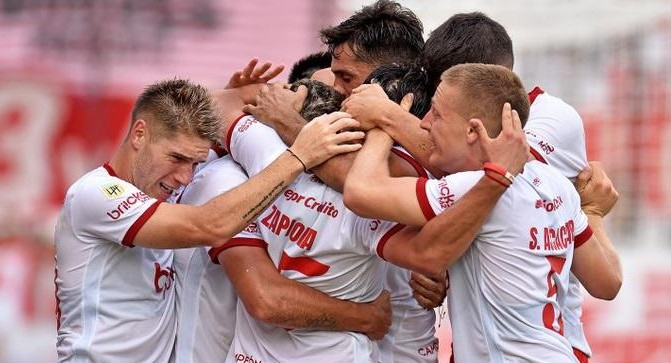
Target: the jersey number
(304, 265)
(549, 314)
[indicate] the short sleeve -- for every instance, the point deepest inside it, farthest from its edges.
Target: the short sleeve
(556, 135)
(253, 144)
(249, 237)
(581, 229)
(375, 233)
(436, 195)
(110, 209)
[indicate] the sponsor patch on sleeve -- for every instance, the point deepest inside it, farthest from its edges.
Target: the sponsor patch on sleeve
(112, 190)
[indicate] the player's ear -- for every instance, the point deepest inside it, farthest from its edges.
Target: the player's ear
(472, 131)
(139, 134)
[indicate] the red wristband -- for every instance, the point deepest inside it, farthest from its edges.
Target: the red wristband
(496, 180)
(498, 169)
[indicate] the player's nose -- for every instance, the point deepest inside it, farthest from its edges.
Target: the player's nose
(184, 174)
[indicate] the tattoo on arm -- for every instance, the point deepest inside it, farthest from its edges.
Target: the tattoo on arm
(265, 201)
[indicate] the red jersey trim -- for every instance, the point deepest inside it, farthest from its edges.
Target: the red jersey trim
(537, 91)
(418, 168)
(132, 231)
(221, 152)
(537, 155)
(229, 134)
(386, 237)
(582, 237)
(423, 200)
(109, 169)
(235, 242)
(582, 356)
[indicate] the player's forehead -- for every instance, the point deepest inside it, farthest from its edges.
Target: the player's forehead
(186, 145)
(344, 61)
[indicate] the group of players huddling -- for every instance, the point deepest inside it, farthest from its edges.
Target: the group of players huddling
(416, 171)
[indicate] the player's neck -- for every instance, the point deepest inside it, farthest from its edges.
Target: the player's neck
(122, 163)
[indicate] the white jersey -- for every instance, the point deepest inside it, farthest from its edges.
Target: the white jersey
(507, 289)
(556, 137)
(115, 302)
(206, 298)
(312, 238)
(412, 334)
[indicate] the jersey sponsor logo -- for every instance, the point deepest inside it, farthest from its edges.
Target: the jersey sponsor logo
(112, 190)
(549, 205)
(249, 121)
(445, 197)
(546, 147)
(554, 239)
(252, 228)
(311, 203)
(431, 349)
(244, 358)
(163, 278)
(127, 204)
(281, 224)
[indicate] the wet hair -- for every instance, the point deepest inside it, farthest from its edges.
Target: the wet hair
(482, 91)
(466, 38)
(308, 65)
(398, 80)
(321, 99)
(177, 105)
(380, 33)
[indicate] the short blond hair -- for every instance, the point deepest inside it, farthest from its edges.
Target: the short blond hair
(483, 89)
(178, 105)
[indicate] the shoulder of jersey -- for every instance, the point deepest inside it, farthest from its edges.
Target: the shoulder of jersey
(100, 182)
(546, 105)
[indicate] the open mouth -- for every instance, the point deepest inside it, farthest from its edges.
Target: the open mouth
(167, 190)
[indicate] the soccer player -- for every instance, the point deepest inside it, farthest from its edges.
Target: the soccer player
(554, 129)
(299, 231)
(207, 295)
(116, 302)
(508, 284)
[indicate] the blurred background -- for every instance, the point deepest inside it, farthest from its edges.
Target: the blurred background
(70, 70)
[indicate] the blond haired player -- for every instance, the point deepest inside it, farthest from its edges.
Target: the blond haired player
(507, 286)
(114, 271)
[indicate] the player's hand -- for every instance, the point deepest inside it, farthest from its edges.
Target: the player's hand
(275, 99)
(379, 316)
(428, 291)
(510, 148)
(597, 192)
(251, 74)
(370, 90)
(325, 137)
(369, 109)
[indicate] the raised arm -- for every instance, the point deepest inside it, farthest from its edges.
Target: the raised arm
(596, 263)
(175, 226)
(274, 299)
(367, 107)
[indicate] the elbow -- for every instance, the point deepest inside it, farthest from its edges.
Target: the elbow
(608, 290)
(262, 308)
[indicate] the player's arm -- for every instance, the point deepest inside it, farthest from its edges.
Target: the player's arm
(278, 108)
(274, 299)
(175, 226)
(597, 261)
(596, 264)
(367, 107)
